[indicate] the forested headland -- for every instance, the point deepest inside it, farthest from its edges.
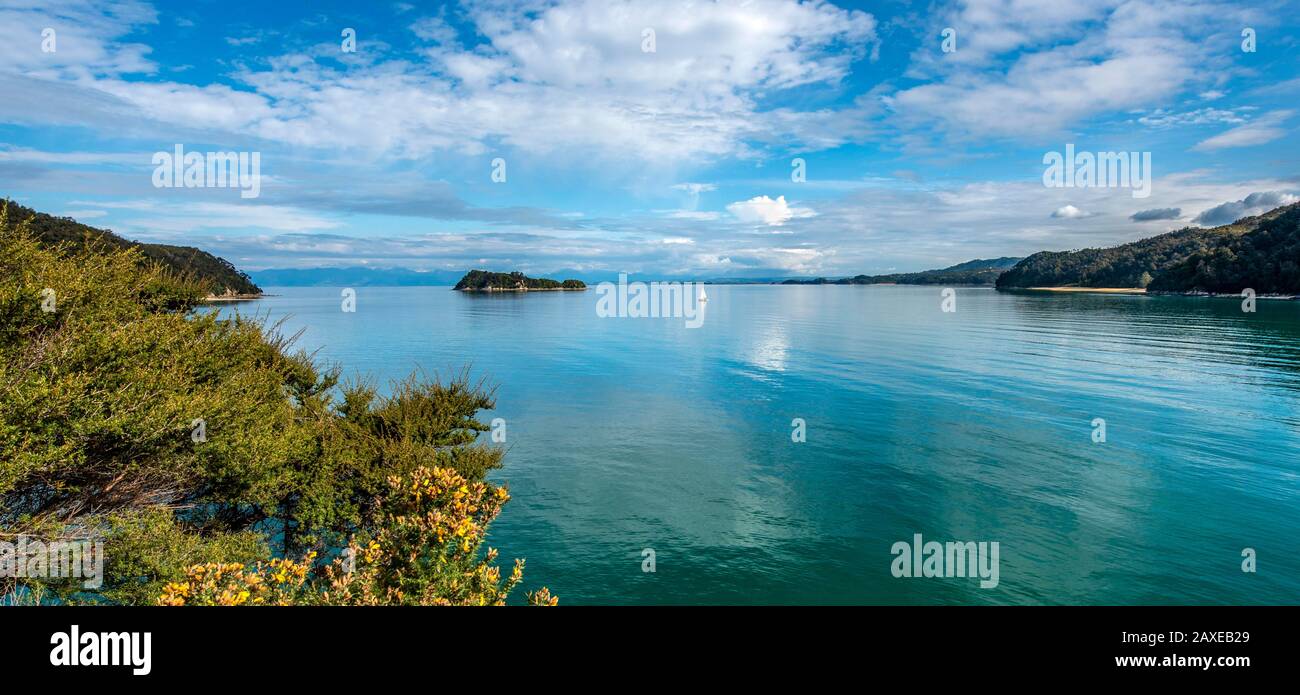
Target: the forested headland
(1259, 252)
(214, 275)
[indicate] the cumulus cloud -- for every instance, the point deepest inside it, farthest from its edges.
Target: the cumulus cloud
(1156, 214)
(1069, 212)
(1253, 204)
(763, 210)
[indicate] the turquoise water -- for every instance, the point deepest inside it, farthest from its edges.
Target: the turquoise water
(635, 433)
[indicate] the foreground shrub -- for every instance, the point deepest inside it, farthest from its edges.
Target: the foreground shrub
(423, 552)
(185, 440)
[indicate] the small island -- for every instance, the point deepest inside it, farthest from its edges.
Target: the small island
(484, 281)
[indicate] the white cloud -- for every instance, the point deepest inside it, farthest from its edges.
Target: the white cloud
(1253, 204)
(214, 107)
(1162, 118)
(1069, 212)
(703, 50)
(1038, 67)
(764, 210)
(568, 77)
(180, 218)
(88, 38)
(1264, 129)
(794, 260)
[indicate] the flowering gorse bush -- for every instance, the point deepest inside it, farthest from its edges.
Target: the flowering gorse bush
(233, 584)
(425, 551)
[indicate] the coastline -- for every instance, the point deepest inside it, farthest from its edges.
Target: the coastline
(1142, 291)
(232, 297)
(1222, 295)
(1095, 290)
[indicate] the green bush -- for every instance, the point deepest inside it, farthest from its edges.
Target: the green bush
(108, 379)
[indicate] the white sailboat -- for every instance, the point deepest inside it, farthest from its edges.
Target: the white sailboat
(702, 296)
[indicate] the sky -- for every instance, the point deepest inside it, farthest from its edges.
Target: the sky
(754, 138)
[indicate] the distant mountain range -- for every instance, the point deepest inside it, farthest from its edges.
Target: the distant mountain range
(977, 272)
(355, 277)
(218, 274)
(1259, 252)
(361, 276)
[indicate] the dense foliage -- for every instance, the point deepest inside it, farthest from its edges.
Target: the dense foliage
(214, 275)
(1137, 264)
(424, 552)
(184, 440)
(1266, 260)
(484, 281)
(976, 272)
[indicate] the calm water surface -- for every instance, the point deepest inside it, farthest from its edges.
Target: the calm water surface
(627, 434)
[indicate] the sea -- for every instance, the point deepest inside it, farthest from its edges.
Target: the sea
(800, 440)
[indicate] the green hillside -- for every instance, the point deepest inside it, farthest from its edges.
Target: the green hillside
(217, 275)
(1266, 260)
(1135, 264)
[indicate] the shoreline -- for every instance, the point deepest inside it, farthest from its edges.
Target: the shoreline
(1096, 290)
(1221, 295)
(233, 297)
(1143, 291)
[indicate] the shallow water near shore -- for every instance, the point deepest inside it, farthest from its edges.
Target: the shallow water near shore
(632, 434)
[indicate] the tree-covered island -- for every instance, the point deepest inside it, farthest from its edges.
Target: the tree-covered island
(484, 281)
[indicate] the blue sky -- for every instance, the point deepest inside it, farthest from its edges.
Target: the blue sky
(673, 162)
